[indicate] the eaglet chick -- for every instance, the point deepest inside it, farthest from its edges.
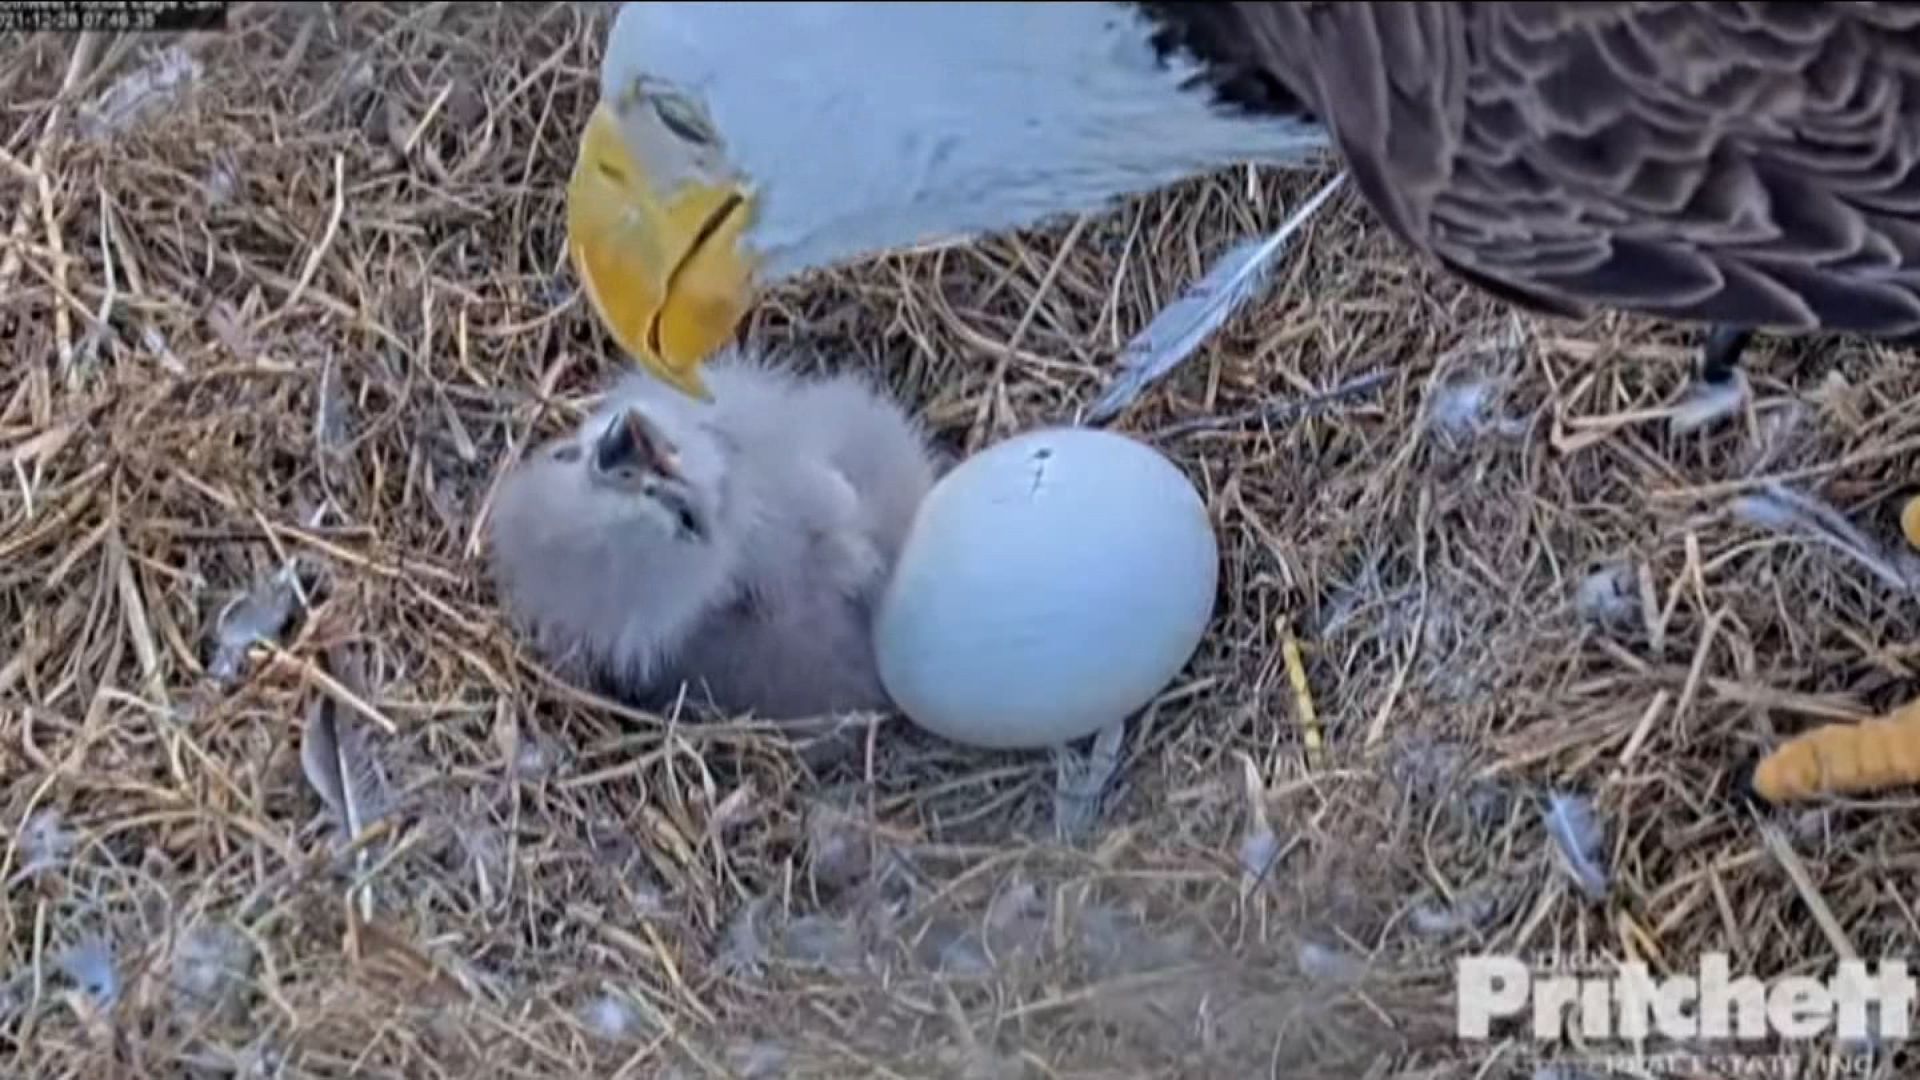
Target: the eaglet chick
(737, 545)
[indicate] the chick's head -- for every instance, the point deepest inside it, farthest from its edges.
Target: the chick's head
(643, 471)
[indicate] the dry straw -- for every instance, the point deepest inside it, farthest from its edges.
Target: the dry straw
(290, 306)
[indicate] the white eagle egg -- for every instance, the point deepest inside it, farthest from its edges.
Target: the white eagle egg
(1051, 584)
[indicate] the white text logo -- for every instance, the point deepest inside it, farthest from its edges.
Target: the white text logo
(1630, 1004)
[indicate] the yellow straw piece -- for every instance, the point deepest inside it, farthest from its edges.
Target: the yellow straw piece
(1910, 521)
(1302, 695)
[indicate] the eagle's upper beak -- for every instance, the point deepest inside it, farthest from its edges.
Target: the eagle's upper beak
(665, 271)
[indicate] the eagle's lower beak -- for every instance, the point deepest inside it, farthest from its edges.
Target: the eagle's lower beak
(664, 271)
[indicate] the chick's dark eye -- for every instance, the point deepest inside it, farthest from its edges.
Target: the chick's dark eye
(688, 523)
(569, 452)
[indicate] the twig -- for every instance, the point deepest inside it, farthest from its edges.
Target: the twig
(110, 294)
(77, 63)
(319, 250)
(1789, 860)
(1279, 412)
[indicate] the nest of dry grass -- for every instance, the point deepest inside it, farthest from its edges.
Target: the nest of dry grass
(294, 296)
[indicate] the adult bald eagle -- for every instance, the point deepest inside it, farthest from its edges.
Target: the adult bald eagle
(1749, 165)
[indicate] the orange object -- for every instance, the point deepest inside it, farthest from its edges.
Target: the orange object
(1843, 759)
(1910, 521)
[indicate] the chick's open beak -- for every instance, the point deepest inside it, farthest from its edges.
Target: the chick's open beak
(632, 439)
(664, 271)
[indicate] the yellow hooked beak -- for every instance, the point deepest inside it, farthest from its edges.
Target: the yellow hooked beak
(664, 270)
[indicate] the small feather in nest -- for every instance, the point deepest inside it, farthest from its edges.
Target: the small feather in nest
(1318, 960)
(146, 91)
(44, 843)
(1606, 596)
(1260, 846)
(1471, 910)
(14, 994)
(1184, 325)
(1785, 510)
(755, 1059)
(744, 946)
(332, 412)
(610, 1017)
(254, 616)
(1707, 402)
(335, 756)
(1080, 781)
(90, 964)
(341, 768)
(1465, 409)
(212, 966)
(950, 948)
(823, 943)
(839, 852)
(1580, 840)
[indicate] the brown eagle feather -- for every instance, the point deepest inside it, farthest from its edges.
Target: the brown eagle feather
(1755, 164)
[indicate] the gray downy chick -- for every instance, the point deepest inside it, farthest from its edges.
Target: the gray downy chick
(737, 546)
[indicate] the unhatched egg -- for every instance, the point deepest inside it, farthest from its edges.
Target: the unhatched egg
(1051, 584)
